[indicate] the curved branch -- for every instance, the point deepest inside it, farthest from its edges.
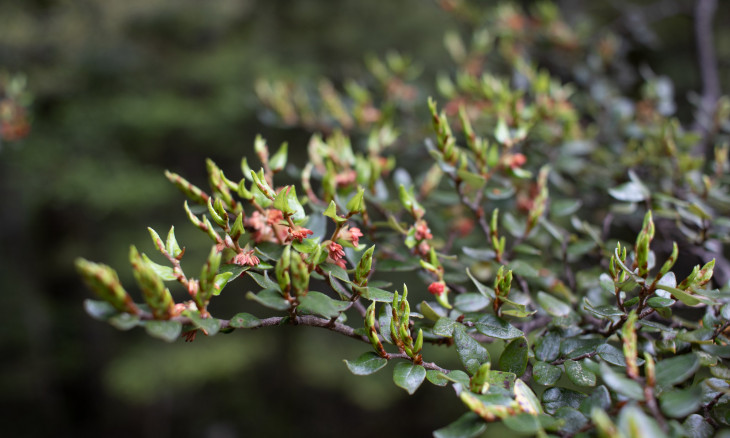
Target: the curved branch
(311, 321)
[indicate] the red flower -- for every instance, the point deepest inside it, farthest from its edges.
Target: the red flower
(422, 231)
(246, 258)
(517, 160)
(335, 251)
(299, 234)
(336, 254)
(355, 235)
(437, 288)
(273, 216)
(351, 235)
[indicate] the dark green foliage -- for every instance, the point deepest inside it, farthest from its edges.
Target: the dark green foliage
(576, 225)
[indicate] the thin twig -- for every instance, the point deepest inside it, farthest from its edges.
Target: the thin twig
(310, 321)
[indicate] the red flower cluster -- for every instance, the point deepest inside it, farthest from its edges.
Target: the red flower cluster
(422, 231)
(299, 234)
(351, 235)
(336, 254)
(246, 258)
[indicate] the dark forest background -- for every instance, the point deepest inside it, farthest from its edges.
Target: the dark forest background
(123, 90)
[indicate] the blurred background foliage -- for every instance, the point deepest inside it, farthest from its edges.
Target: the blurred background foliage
(122, 91)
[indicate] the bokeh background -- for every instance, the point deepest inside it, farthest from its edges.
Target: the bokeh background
(123, 90)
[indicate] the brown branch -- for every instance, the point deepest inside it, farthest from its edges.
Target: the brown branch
(310, 321)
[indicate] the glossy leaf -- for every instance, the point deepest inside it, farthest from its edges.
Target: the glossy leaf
(244, 320)
(269, 298)
(470, 352)
(678, 403)
(676, 369)
(468, 425)
(471, 302)
(578, 374)
(320, 304)
(621, 384)
(514, 357)
(556, 398)
(547, 347)
(552, 305)
(368, 363)
(409, 376)
(545, 373)
(445, 327)
(436, 377)
(497, 327)
(168, 331)
(210, 326)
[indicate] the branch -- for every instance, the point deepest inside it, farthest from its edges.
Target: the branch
(311, 321)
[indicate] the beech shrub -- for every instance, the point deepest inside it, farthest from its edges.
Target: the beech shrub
(563, 233)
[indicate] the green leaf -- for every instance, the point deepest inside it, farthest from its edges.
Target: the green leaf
(278, 160)
(436, 377)
(578, 374)
(523, 269)
(502, 380)
(264, 281)
(659, 302)
(612, 355)
(514, 357)
(368, 363)
(244, 320)
(470, 352)
(335, 271)
(676, 369)
(235, 270)
(621, 384)
(556, 398)
(375, 294)
(428, 312)
(269, 298)
(168, 331)
(458, 376)
(695, 426)
(445, 327)
(100, 310)
(526, 398)
(600, 398)
(210, 326)
(482, 255)
(124, 321)
(546, 374)
(686, 297)
(497, 327)
(164, 272)
(629, 192)
(523, 424)
(547, 347)
(552, 305)
(484, 290)
(633, 422)
(468, 425)
(409, 376)
(320, 304)
(678, 403)
(470, 302)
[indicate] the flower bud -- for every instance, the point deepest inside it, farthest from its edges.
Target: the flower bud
(103, 280)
